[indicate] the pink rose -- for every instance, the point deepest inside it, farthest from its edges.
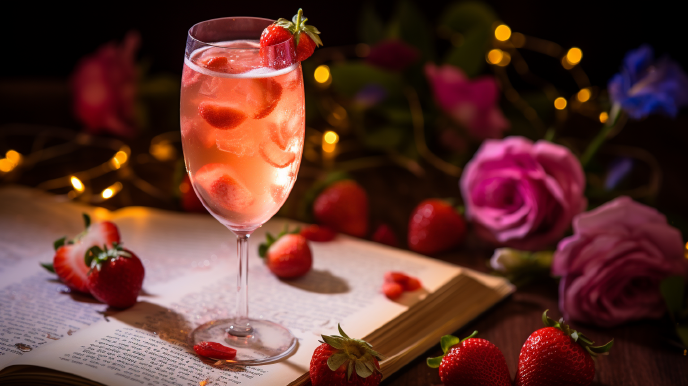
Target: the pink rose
(522, 195)
(471, 103)
(612, 265)
(104, 88)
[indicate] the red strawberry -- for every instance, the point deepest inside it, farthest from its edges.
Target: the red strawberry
(215, 350)
(68, 262)
(384, 235)
(303, 41)
(435, 227)
(471, 362)
(288, 255)
(116, 275)
(557, 355)
(343, 206)
(217, 63)
(341, 360)
(318, 233)
(407, 283)
(270, 93)
(219, 116)
(392, 290)
(221, 187)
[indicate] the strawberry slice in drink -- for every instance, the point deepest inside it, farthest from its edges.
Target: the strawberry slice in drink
(196, 133)
(262, 95)
(221, 187)
(220, 116)
(275, 156)
(217, 63)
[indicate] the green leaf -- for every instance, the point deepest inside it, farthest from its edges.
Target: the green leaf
(341, 332)
(448, 341)
(349, 370)
(271, 239)
(262, 250)
(370, 28)
(385, 138)
(682, 331)
(333, 342)
(336, 360)
(434, 362)
(673, 289)
(350, 77)
(603, 349)
(59, 242)
(91, 254)
(87, 220)
(362, 370)
(48, 266)
(473, 20)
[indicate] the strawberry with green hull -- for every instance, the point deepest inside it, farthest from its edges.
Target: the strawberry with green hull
(288, 255)
(116, 275)
(435, 227)
(303, 39)
(341, 360)
(558, 355)
(471, 362)
(68, 262)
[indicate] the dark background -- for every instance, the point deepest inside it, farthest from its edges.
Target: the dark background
(47, 40)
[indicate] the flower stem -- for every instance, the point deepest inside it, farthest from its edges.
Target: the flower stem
(599, 139)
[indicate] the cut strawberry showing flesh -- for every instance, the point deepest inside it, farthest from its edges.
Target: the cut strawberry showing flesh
(223, 188)
(215, 350)
(261, 94)
(220, 116)
(217, 63)
(275, 156)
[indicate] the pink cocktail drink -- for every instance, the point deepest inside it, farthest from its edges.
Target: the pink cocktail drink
(242, 130)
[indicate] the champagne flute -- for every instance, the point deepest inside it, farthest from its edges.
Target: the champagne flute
(242, 123)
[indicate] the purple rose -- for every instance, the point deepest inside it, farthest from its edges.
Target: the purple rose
(522, 195)
(646, 86)
(612, 266)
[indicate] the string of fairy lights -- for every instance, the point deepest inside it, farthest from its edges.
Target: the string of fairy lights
(325, 145)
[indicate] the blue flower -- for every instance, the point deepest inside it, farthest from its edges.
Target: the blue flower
(646, 86)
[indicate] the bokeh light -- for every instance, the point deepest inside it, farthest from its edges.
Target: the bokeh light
(560, 103)
(329, 141)
(503, 32)
(77, 184)
(495, 56)
(584, 95)
(322, 74)
(604, 116)
(574, 55)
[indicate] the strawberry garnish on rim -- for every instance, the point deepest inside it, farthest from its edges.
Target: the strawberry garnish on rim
(305, 37)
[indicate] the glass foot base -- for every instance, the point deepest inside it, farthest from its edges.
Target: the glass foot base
(267, 343)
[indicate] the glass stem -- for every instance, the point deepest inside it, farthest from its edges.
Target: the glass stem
(241, 325)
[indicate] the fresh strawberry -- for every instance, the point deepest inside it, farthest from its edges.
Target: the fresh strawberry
(270, 93)
(318, 233)
(384, 235)
(343, 206)
(222, 187)
(68, 262)
(288, 255)
(392, 290)
(341, 360)
(407, 283)
(217, 63)
(471, 362)
(557, 355)
(219, 116)
(215, 350)
(304, 39)
(116, 275)
(435, 227)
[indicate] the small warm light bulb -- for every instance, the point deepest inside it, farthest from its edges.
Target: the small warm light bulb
(574, 55)
(503, 33)
(322, 74)
(331, 137)
(13, 156)
(121, 157)
(111, 190)
(584, 95)
(77, 184)
(506, 59)
(6, 165)
(604, 116)
(495, 56)
(162, 150)
(560, 103)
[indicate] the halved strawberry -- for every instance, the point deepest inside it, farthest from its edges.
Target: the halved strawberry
(68, 262)
(392, 290)
(220, 116)
(222, 187)
(215, 350)
(275, 156)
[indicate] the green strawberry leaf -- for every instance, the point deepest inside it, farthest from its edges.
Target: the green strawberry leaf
(332, 341)
(48, 266)
(349, 370)
(434, 362)
(362, 370)
(87, 220)
(336, 360)
(59, 242)
(342, 333)
(448, 341)
(262, 249)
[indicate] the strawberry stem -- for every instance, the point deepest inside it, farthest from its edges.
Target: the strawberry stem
(578, 337)
(297, 35)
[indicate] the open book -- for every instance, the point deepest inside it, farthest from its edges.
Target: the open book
(49, 335)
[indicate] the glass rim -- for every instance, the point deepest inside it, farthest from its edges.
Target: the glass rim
(189, 34)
